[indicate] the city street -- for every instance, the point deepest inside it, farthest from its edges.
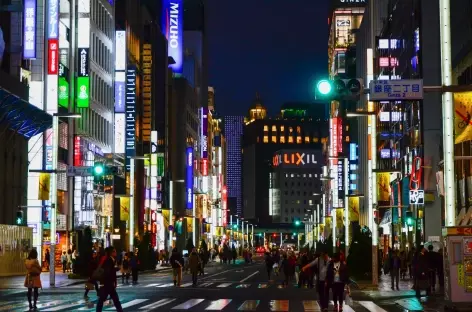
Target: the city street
(237, 287)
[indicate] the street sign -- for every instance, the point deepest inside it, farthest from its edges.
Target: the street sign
(79, 171)
(396, 90)
(416, 197)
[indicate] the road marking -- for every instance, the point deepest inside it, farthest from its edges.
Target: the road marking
(218, 305)
(203, 278)
(165, 285)
(205, 284)
(66, 306)
(186, 285)
(249, 305)
(50, 303)
(188, 304)
(347, 308)
(372, 307)
(245, 279)
(157, 304)
(243, 286)
(152, 285)
(13, 305)
(129, 304)
(262, 286)
(279, 305)
(311, 306)
(224, 285)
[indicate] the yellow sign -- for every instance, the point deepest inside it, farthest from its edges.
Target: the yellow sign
(339, 218)
(459, 231)
(460, 275)
(166, 217)
(189, 224)
(124, 208)
(462, 117)
(354, 208)
(147, 91)
(383, 186)
(44, 186)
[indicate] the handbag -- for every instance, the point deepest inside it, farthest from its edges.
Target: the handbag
(29, 280)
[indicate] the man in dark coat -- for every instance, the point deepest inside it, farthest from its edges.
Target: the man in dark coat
(109, 280)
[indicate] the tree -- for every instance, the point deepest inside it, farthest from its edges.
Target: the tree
(189, 246)
(360, 255)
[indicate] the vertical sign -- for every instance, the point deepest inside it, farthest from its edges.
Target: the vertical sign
(189, 177)
(340, 135)
(53, 19)
(120, 124)
(83, 80)
(29, 29)
(204, 141)
(224, 205)
(52, 15)
(130, 113)
(334, 137)
(154, 171)
(172, 24)
(120, 50)
(147, 91)
(340, 180)
(120, 78)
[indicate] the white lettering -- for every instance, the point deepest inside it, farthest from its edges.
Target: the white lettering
(174, 26)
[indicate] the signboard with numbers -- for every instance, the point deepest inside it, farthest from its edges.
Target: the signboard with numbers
(396, 90)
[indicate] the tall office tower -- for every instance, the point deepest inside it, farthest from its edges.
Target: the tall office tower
(234, 133)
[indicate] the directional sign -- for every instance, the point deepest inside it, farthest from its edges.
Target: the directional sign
(396, 90)
(79, 171)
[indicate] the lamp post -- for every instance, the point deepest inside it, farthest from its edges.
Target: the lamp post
(55, 146)
(131, 202)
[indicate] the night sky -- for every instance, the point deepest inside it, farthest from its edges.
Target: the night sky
(275, 47)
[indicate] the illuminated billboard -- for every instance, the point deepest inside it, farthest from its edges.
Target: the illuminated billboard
(189, 177)
(120, 123)
(294, 159)
(120, 50)
(204, 132)
(53, 19)
(130, 113)
(173, 23)
(29, 29)
(83, 92)
(146, 71)
(120, 92)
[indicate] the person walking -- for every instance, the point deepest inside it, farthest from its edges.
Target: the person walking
(91, 282)
(269, 262)
(109, 280)
(134, 263)
(125, 269)
(421, 270)
(32, 280)
(177, 263)
(194, 262)
(395, 264)
(64, 262)
(337, 277)
(432, 257)
(321, 268)
(47, 259)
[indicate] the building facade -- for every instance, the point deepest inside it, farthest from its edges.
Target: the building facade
(233, 133)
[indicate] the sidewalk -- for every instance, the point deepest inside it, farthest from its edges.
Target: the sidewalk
(62, 280)
(384, 290)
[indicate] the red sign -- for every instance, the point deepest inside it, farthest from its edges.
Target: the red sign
(334, 136)
(204, 166)
(77, 152)
(416, 173)
(53, 56)
(224, 201)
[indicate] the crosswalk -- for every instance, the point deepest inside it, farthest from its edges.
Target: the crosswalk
(194, 304)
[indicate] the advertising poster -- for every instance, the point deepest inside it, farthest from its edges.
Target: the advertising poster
(172, 25)
(124, 208)
(44, 186)
(462, 117)
(189, 224)
(354, 208)
(383, 186)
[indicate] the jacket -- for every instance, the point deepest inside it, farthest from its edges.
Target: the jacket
(109, 275)
(176, 260)
(33, 279)
(194, 262)
(343, 273)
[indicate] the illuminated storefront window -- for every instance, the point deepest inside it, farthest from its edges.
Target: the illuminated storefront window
(274, 128)
(266, 139)
(299, 130)
(299, 140)
(316, 140)
(282, 128)
(307, 139)
(290, 139)
(290, 130)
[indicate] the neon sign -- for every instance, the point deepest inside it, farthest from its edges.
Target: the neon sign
(173, 23)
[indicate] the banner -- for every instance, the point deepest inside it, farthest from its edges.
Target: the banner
(166, 216)
(124, 208)
(189, 224)
(383, 186)
(339, 218)
(462, 117)
(44, 186)
(354, 208)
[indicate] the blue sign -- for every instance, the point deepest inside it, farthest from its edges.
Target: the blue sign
(396, 90)
(29, 29)
(53, 19)
(130, 102)
(173, 27)
(189, 179)
(119, 96)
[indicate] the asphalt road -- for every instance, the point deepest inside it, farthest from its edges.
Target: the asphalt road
(237, 287)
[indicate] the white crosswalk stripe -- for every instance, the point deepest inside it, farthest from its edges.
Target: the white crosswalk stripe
(165, 285)
(152, 285)
(186, 285)
(142, 304)
(224, 285)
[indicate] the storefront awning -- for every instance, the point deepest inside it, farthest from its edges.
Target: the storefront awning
(21, 117)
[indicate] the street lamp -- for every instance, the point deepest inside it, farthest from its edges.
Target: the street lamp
(131, 202)
(55, 146)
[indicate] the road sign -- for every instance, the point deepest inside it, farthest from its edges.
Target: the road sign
(396, 90)
(79, 171)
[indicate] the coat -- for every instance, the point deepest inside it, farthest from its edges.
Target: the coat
(343, 273)
(193, 263)
(33, 279)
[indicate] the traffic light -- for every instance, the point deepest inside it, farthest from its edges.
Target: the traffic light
(339, 89)
(294, 234)
(235, 226)
(297, 222)
(19, 217)
(98, 169)
(260, 234)
(409, 218)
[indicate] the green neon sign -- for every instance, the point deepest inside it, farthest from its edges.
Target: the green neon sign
(83, 92)
(63, 93)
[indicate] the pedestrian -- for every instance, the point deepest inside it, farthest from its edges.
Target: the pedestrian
(109, 280)
(433, 264)
(32, 280)
(194, 263)
(395, 264)
(440, 268)
(47, 259)
(403, 264)
(69, 260)
(269, 262)
(321, 268)
(234, 254)
(134, 264)
(91, 282)
(422, 272)
(337, 277)
(64, 262)
(177, 263)
(125, 269)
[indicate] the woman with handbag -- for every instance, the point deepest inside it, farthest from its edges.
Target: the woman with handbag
(33, 281)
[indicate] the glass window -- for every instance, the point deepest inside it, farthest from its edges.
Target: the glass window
(282, 128)
(316, 140)
(266, 139)
(299, 140)
(274, 139)
(307, 139)
(282, 139)
(290, 139)
(290, 129)
(266, 128)
(299, 130)
(274, 128)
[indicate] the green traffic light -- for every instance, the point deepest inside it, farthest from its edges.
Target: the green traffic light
(324, 87)
(409, 221)
(297, 222)
(235, 226)
(19, 221)
(294, 234)
(98, 169)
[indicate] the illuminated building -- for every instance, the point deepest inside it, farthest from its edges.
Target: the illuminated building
(299, 126)
(233, 134)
